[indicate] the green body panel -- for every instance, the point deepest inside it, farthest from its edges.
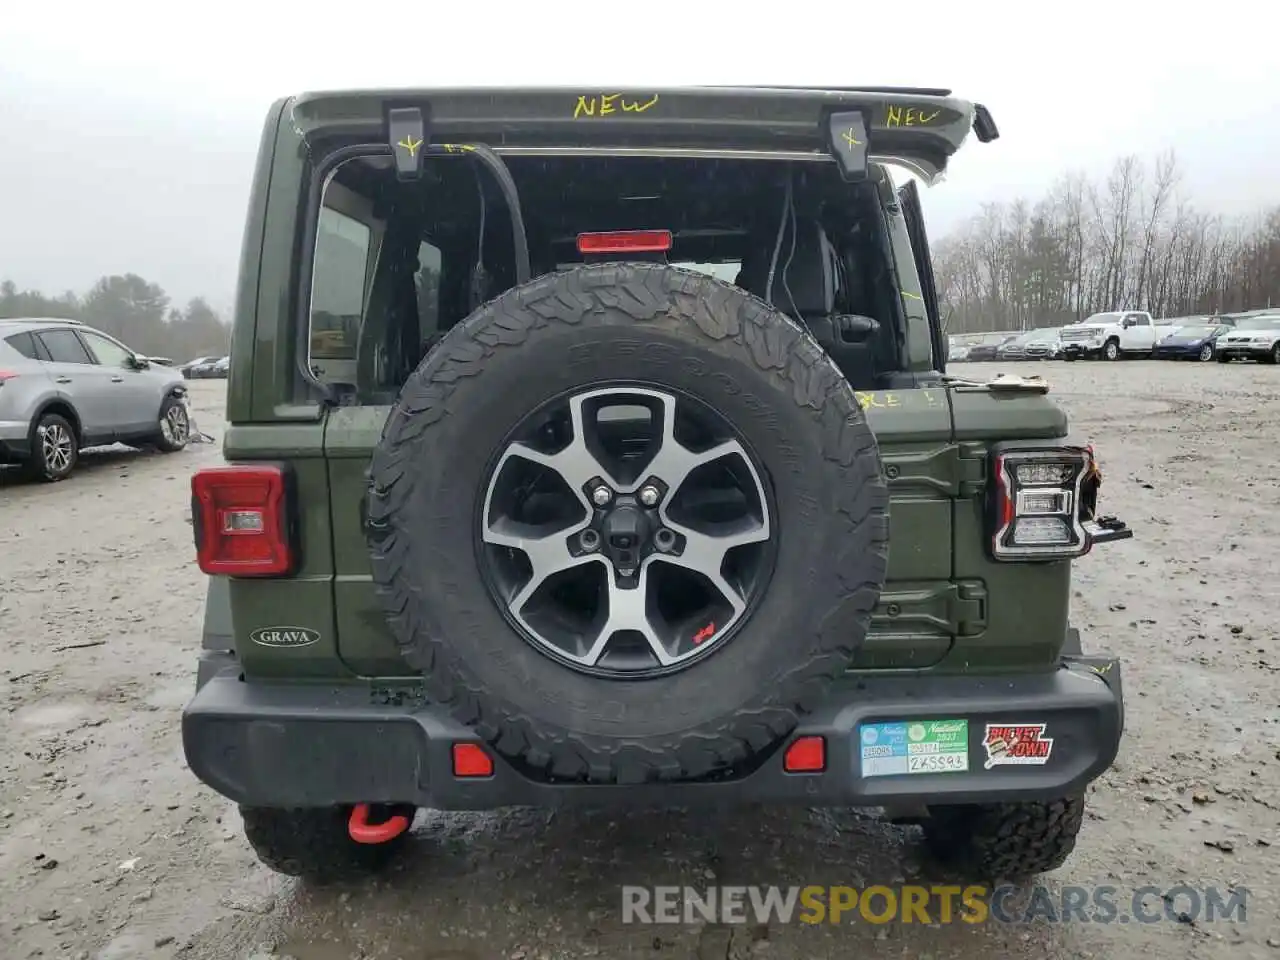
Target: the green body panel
(945, 606)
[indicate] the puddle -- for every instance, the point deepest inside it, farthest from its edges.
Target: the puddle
(51, 713)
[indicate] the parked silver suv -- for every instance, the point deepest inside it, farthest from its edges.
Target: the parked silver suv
(64, 386)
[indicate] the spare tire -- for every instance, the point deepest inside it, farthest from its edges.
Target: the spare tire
(629, 522)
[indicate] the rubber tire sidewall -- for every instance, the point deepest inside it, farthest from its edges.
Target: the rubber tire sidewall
(161, 443)
(1110, 345)
(35, 465)
(640, 323)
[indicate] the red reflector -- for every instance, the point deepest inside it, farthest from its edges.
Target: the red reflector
(6, 375)
(625, 241)
(240, 525)
(806, 755)
(470, 760)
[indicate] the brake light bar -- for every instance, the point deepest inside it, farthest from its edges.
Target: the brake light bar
(240, 516)
(625, 241)
(1036, 504)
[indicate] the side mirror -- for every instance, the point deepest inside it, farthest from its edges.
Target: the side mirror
(139, 363)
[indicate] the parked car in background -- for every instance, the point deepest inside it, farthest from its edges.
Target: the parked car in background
(65, 386)
(1254, 338)
(188, 368)
(1114, 335)
(985, 348)
(1041, 344)
(957, 352)
(208, 369)
(1191, 342)
(221, 368)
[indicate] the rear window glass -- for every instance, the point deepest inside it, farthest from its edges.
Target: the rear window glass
(25, 344)
(64, 347)
(337, 293)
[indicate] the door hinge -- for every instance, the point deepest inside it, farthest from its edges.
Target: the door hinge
(968, 608)
(971, 469)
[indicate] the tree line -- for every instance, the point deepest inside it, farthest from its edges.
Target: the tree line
(134, 311)
(1132, 242)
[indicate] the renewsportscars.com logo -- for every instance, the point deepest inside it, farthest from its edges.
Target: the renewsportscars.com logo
(936, 904)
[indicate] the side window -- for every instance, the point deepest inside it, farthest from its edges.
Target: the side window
(108, 352)
(1140, 319)
(25, 344)
(426, 285)
(338, 285)
(64, 346)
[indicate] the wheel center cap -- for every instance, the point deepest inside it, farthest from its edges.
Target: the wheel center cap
(624, 530)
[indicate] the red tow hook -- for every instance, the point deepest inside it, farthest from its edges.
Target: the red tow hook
(362, 831)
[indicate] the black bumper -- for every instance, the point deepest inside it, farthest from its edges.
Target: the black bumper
(305, 745)
(1077, 351)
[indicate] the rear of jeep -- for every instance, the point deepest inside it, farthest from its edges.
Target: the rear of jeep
(595, 447)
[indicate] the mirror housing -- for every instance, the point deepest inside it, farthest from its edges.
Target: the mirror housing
(139, 363)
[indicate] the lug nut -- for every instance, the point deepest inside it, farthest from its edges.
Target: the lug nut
(601, 495)
(589, 540)
(664, 540)
(649, 495)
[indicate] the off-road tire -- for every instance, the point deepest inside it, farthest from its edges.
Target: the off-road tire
(646, 324)
(1005, 841)
(36, 467)
(313, 843)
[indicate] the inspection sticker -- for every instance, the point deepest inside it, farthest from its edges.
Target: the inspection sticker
(914, 746)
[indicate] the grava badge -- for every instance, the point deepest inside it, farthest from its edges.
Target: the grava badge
(1017, 744)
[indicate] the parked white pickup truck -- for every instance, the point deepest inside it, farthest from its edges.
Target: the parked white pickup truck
(1112, 335)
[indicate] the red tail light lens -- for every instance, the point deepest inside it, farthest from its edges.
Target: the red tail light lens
(6, 375)
(625, 241)
(1036, 504)
(241, 522)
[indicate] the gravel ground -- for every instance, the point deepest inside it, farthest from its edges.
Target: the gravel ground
(110, 849)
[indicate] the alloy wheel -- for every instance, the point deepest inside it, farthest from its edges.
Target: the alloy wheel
(626, 531)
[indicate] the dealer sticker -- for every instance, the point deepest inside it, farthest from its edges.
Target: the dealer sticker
(1016, 744)
(914, 746)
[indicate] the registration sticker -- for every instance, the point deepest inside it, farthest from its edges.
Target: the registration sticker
(914, 746)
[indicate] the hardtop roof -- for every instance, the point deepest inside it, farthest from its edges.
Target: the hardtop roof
(919, 128)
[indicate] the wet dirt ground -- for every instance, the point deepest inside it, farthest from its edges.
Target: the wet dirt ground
(110, 849)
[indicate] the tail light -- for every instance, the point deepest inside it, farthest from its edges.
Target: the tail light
(6, 375)
(625, 241)
(241, 521)
(1036, 504)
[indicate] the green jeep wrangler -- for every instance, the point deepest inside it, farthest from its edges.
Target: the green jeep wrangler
(597, 447)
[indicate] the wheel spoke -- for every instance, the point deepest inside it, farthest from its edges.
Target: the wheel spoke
(548, 554)
(575, 463)
(704, 553)
(628, 610)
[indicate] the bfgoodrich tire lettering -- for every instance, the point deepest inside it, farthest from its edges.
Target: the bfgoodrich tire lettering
(637, 324)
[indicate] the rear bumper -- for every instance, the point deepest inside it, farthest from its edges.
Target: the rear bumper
(281, 745)
(15, 441)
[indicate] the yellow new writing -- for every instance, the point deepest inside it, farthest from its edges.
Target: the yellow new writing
(607, 104)
(910, 116)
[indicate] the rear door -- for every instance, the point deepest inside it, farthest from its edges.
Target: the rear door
(913, 214)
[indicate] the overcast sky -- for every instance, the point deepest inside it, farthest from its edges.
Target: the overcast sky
(129, 128)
